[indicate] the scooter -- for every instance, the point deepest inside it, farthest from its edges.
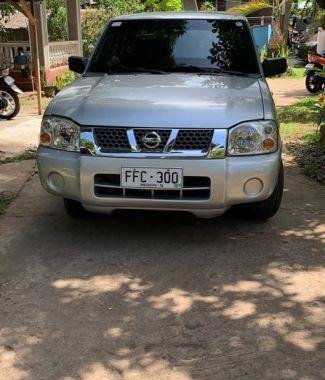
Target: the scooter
(315, 73)
(9, 101)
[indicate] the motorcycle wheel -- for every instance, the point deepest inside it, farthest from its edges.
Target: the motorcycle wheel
(10, 105)
(314, 84)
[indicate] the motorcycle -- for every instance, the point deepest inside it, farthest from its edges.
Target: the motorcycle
(9, 101)
(315, 73)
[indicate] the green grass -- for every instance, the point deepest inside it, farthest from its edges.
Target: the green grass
(295, 131)
(301, 136)
(297, 72)
(309, 155)
(292, 73)
(28, 155)
(303, 111)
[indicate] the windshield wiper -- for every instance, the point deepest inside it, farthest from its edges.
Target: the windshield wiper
(129, 69)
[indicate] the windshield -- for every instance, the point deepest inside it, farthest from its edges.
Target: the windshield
(158, 46)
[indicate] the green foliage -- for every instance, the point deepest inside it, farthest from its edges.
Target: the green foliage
(246, 9)
(93, 24)
(117, 7)
(95, 19)
(5, 11)
(57, 20)
(309, 153)
(282, 51)
(263, 53)
(164, 5)
(65, 79)
(27, 155)
(303, 111)
(208, 6)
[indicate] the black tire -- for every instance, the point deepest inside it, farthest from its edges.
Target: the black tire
(74, 208)
(264, 209)
(314, 84)
(17, 103)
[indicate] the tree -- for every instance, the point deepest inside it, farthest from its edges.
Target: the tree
(164, 5)
(57, 20)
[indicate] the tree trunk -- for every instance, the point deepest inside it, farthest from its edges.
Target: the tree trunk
(190, 5)
(285, 14)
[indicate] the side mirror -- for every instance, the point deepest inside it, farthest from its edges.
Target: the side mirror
(77, 64)
(274, 66)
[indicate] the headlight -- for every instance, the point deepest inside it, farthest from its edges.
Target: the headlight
(255, 137)
(59, 133)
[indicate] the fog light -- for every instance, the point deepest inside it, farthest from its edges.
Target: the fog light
(55, 182)
(253, 186)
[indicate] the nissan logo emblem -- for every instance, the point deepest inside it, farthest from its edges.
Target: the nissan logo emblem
(151, 140)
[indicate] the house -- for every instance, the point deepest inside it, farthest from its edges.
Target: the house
(53, 56)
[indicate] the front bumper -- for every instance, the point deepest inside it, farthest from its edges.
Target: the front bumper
(71, 175)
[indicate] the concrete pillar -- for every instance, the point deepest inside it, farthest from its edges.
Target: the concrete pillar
(74, 22)
(190, 5)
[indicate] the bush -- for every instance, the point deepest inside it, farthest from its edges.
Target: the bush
(164, 5)
(93, 24)
(208, 6)
(304, 111)
(95, 20)
(65, 79)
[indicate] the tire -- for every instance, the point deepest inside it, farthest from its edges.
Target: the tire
(314, 84)
(263, 210)
(17, 103)
(74, 209)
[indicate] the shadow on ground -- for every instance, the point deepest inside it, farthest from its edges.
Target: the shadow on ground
(161, 296)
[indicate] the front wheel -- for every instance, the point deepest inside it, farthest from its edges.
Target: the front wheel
(314, 83)
(9, 103)
(263, 210)
(74, 208)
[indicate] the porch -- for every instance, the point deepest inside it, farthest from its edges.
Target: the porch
(53, 56)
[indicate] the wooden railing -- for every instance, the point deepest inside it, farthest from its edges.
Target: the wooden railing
(9, 50)
(60, 52)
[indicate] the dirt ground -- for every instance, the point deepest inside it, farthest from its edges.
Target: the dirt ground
(143, 296)
(155, 296)
(287, 91)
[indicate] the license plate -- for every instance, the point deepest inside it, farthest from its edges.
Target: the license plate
(152, 178)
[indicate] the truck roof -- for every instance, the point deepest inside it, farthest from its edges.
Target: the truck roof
(180, 15)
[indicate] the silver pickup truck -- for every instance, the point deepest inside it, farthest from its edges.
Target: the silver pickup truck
(171, 112)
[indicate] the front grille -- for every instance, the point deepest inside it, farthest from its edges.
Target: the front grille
(111, 139)
(141, 133)
(193, 139)
(116, 139)
(194, 188)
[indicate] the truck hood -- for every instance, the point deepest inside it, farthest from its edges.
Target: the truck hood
(160, 101)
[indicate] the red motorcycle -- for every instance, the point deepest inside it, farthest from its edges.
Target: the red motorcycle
(315, 73)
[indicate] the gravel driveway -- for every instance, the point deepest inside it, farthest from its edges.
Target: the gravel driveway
(147, 296)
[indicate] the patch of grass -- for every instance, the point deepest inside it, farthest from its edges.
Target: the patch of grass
(297, 72)
(310, 155)
(5, 199)
(303, 111)
(294, 131)
(27, 155)
(31, 101)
